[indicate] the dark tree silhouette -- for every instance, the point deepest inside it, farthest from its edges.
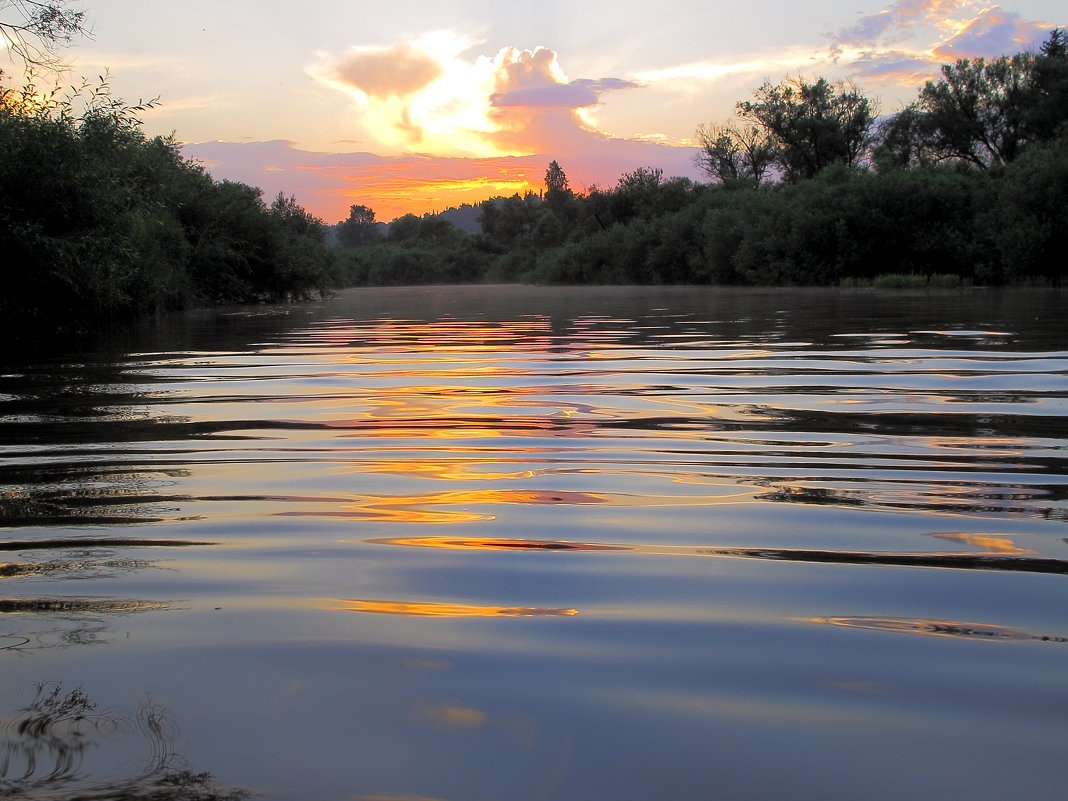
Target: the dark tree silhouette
(555, 178)
(976, 111)
(983, 113)
(1048, 110)
(359, 229)
(814, 125)
(730, 152)
(34, 30)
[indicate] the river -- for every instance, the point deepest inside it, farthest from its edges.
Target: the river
(528, 543)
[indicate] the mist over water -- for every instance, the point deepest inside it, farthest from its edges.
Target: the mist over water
(551, 543)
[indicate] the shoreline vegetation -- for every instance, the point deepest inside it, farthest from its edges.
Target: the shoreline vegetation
(101, 224)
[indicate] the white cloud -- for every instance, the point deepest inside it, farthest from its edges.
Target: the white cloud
(908, 41)
(424, 94)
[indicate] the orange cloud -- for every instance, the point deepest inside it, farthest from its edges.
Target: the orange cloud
(328, 183)
(394, 71)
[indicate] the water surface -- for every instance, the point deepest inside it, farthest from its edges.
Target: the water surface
(530, 543)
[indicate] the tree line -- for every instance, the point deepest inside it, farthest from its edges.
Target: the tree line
(807, 185)
(100, 223)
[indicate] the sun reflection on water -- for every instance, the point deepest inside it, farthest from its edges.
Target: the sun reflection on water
(435, 609)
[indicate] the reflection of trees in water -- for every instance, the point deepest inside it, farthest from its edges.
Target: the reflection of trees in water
(976, 426)
(62, 632)
(65, 493)
(884, 479)
(46, 744)
(955, 561)
(955, 497)
(78, 557)
(76, 563)
(53, 403)
(62, 622)
(65, 620)
(67, 405)
(77, 505)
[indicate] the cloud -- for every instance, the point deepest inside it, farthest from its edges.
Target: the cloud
(991, 34)
(893, 23)
(165, 108)
(427, 94)
(904, 44)
(535, 108)
(757, 64)
(515, 69)
(388, 72)
(415, 94)
(575, 94)
(113, 61)
(895, 67)
(907, 42)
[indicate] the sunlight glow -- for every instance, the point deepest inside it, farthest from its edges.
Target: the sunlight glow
(423, 96)
(443, 106)
(419, 187)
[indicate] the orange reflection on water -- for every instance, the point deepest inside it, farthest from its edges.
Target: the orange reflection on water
(390, 514)
(450, 428)
(503, 544)
(491, 544)
(454, 716)
(992, 543)
(414, 508)
(426, 609)
(404, 419)
(455, 470)
(518, 496)
(530, 334)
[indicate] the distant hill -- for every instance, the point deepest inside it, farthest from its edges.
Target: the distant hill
(464, 217)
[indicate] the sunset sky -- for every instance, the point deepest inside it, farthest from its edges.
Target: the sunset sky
(412, 107)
